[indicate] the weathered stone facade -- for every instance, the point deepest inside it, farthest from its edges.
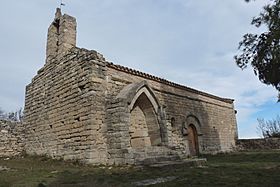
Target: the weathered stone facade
(79, 106)
(11, 138)
(258, 144)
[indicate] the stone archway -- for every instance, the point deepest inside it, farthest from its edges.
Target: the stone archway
(138, 129)
(140, 116)
(192, 131)
(193, 140)
(144, 128)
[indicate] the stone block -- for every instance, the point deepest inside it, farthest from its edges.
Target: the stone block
(140, 142)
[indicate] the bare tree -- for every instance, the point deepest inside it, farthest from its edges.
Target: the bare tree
(269, 128)
(11, 116)
(20, 115)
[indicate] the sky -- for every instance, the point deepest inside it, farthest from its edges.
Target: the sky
(189, 42)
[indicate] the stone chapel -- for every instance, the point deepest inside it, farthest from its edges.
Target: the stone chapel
(81, 107)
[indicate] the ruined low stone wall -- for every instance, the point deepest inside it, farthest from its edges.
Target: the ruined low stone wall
(11, 138)
(258, 144)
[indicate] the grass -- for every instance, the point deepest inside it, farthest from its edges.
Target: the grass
(235, 169)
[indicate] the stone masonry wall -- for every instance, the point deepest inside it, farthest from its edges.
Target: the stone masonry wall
(81, 107)
(258, 144)
(65, 103)
(64, 109)
(138, 129)
(217, 117)
(71, 106)
(11, 138)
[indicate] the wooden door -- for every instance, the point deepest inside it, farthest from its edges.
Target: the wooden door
(193, 140)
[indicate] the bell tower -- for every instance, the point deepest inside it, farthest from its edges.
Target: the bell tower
(61, 35)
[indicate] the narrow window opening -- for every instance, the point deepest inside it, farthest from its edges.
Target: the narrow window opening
(81, 88)
(57, 44)
(56, 24)
(77, 119)
(172, 122)
(184, 129)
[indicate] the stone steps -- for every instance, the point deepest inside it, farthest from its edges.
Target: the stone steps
(192, 162)
(152, 155)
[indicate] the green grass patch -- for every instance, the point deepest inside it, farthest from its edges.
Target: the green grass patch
(235, 169)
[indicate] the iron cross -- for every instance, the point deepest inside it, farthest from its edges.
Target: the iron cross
(61, 4)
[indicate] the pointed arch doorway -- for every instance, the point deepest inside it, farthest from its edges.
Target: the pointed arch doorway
(193, 140)
(144, 127)
(141, 115)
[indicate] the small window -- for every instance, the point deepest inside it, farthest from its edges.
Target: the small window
(172, 122)
(77, 119)
(81, 88)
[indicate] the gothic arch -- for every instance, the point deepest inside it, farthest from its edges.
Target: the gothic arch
(132, 92)
(145, 90)
(144, 127)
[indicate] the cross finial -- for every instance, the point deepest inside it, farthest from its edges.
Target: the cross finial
(61, 4)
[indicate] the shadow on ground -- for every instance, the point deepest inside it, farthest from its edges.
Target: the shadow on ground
(236, 169)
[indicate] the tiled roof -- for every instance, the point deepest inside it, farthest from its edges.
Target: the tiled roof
(164, 81)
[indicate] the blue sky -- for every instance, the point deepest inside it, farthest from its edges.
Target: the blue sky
(186, 41)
